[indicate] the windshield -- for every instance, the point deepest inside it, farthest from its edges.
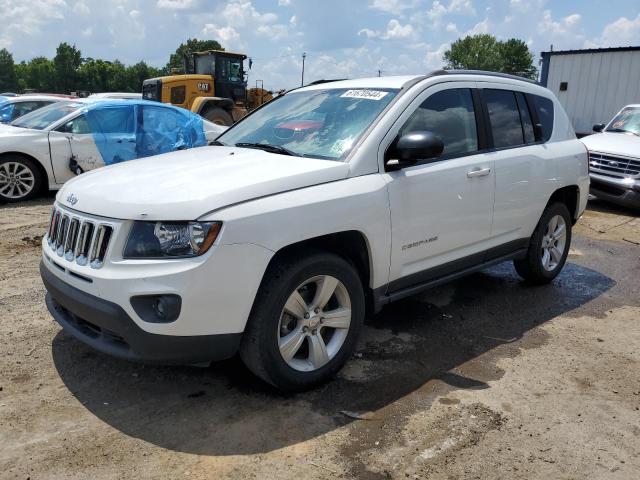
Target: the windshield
(315, 123)
(45, 116)
(627, 121)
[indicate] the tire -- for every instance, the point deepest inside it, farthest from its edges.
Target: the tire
(269, 324)
(20, 179)
(218, 116)
(539, 267)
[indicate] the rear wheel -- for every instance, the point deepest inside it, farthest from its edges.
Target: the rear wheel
(305, 321)
(20, 179)
(219, 116)
(549, 246)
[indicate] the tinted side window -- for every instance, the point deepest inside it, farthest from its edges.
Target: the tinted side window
(178, 94)
(504, 117)
(22, 108)
(544, 108)
(525, 117)
(450, 115)
(112, 119)
(78, 125)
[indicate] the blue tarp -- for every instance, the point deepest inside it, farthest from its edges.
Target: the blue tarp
(6, 110)
(129, 129)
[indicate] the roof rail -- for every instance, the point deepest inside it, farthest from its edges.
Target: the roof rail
(483, 72)
(318, 82)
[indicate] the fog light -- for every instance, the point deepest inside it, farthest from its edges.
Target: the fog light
(157, 308)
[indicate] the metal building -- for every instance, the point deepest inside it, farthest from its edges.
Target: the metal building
(593, 84)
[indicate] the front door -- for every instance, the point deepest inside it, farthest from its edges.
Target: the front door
(441, 210)
(74, 149)
(101, 136)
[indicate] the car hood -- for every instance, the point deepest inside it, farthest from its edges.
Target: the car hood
(10, 131)
(624, 144)
(187, 184)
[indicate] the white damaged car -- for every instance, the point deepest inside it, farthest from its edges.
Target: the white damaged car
(45, 148)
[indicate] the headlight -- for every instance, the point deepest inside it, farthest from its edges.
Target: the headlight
(170, 239)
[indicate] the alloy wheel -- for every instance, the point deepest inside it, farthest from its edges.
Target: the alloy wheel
(16, 180)
(314, 323)
(554, 243)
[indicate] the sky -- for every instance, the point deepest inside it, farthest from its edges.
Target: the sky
(342, 39)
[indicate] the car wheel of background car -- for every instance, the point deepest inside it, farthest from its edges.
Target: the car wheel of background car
(304, 322)
(20, 179)
(218, 116)
(549, 246)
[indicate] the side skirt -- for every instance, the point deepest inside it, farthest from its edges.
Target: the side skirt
(416, 283)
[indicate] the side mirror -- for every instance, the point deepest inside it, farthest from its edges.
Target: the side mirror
(598, 127)
(414, 146)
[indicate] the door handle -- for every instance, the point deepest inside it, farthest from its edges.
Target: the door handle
(478, 172)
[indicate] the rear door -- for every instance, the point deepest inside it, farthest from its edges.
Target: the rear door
(114, 128)
(441, 210)
(524, 168)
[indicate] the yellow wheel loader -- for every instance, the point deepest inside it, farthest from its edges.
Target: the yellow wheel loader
(213, 86)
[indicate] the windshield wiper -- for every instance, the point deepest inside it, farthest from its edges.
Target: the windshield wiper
(268, 148)
(216, 143)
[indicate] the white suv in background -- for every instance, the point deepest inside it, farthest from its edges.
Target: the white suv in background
(331, 200)
(614, 158)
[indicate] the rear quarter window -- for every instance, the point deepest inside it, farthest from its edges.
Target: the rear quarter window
(544, 109)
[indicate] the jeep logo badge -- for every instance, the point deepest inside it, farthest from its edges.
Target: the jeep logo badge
(72, 199)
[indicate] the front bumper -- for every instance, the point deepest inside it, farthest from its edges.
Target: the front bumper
(616, 190)
(106, 327)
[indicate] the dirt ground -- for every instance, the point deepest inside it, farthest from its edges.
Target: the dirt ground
(485, 378)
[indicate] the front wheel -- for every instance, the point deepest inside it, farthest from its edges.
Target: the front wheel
(305, 321)
(219, 116)
(549, 246)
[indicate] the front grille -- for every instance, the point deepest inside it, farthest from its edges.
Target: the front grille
(613, 165)
(78, 239)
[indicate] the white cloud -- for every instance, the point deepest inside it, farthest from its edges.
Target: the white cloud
(242, 13)
(462, 7)
(395, 7)
(621, 33)
(227, 35)
(572, 20)
(177, 4)
(395, 30)
(451, 28)
(479, 28)
(437, 11)
(81, 8)
(275, 32)
(284, 3)
(435, 58)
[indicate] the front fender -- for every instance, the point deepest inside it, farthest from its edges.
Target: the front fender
(354, 204)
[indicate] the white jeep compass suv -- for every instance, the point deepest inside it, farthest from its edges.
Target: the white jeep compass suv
(330, 200)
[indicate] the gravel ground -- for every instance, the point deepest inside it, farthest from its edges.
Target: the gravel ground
(483, 378)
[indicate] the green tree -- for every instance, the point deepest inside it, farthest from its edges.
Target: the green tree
(517, 59)
(38, 74)
(176, 60)
(8, 78)
(66, 62)
(139, 72)
(485, 52)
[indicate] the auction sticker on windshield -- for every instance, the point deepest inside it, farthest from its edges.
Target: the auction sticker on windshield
(368, 94)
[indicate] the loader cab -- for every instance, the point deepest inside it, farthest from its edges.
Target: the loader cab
(227, 70)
